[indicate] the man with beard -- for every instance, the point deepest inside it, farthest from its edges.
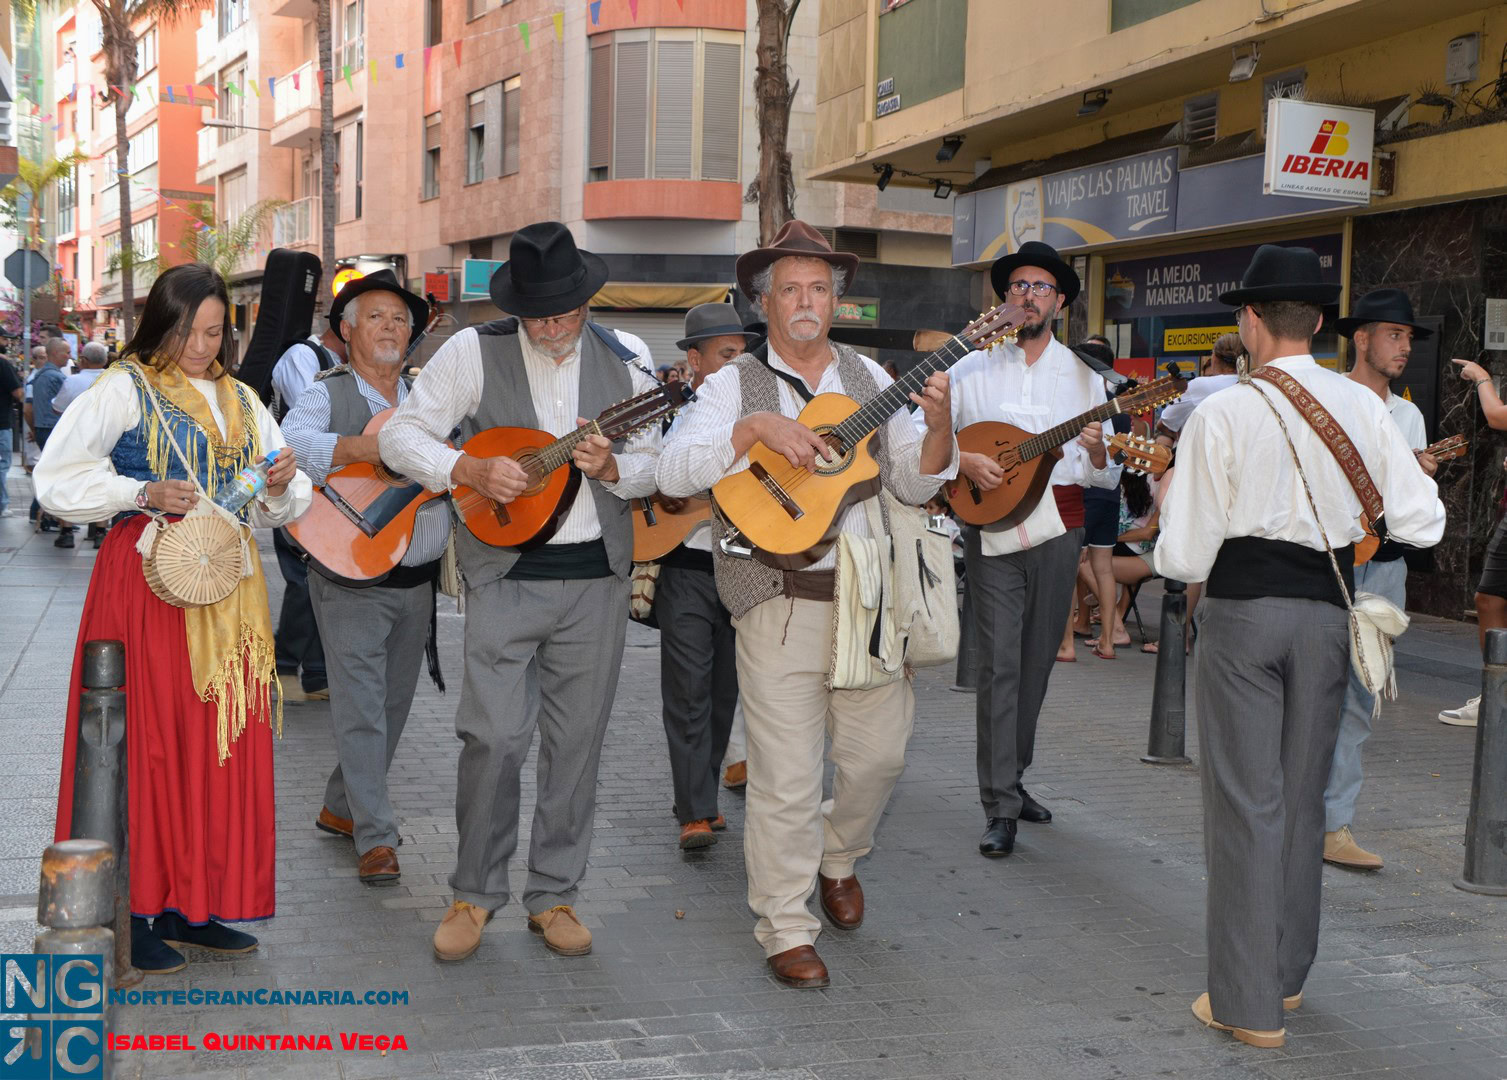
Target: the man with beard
(793, 840)
(376, 634)
(544, 626)
(1021, 577)
(1382, 329)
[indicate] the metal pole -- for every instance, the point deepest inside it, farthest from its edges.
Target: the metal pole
(26, 317)
(100, 782)
(1485, 839)
(74, 902)
(966, 681)
(1168, 698)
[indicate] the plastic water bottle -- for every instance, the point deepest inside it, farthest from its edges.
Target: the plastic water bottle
(247, 485)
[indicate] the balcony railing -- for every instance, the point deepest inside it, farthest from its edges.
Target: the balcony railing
(290, 101)
(296, 224)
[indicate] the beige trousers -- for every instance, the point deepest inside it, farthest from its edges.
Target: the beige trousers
(784, 647)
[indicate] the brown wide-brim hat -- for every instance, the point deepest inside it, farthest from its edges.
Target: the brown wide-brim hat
(797, 239)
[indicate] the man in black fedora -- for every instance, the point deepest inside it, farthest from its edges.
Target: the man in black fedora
(1381, 328)
(375, 635)
(1274, 637)
(1021, 577)
(698, 666)
(544, 626)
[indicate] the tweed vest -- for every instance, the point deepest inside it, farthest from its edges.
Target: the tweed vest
(743, 584)
(507, 401)
(349, 411)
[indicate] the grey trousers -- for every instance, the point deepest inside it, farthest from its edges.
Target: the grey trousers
(1271, 676)
(539, 654)
(1389, 579)
(1020, 606)
(376, 639)
(698, 679)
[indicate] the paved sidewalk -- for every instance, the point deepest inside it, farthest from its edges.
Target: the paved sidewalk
(1075, 959)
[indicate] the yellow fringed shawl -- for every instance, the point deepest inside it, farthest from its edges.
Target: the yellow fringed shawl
(230, 644)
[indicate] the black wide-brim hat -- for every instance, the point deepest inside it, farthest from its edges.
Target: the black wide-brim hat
(1035, 253)
(546, 274)
(381, 281)
(1283, 273)
(1382, 305)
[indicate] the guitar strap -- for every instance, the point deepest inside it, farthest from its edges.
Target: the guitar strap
(761, 354)
(1333, 436)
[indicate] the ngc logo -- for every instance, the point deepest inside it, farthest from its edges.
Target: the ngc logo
(64, 1035)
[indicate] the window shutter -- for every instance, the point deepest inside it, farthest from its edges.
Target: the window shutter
(721, 111)
(512, 99)
(1200, 119)
(674, 103)
(492, 155)
(631, 112)
(599, 154)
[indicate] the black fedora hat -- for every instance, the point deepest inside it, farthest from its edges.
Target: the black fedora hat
(711, 321)
(1382, 305)
(1283, 273)
(546, 274)
(1035, 253)
(381, 281)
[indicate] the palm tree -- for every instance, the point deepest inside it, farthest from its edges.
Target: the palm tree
(774, 188)
(33, 180)
(224, 245)
(327, 162)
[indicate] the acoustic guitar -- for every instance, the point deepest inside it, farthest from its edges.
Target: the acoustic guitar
(1028, 459)
(1443, 450)
(789, 514)
(1138, 455)
(657, 530)
(532, 518)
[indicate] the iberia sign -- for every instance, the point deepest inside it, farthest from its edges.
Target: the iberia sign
(1318, 151)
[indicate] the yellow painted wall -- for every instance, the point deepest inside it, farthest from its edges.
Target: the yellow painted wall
(915, 249)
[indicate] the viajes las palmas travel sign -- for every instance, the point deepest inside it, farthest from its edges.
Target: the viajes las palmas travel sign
(1317, 151)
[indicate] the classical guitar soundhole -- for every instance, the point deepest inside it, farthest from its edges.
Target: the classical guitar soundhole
(828, 435)
(388, 477)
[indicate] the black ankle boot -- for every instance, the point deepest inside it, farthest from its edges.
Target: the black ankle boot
(216, 937)
(150, 953)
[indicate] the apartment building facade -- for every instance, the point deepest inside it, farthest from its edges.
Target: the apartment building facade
(1131, 134)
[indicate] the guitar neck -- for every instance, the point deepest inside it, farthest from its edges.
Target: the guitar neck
(1054, 437)
(872, 415)
(549, 458)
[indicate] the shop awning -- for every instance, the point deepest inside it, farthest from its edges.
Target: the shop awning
(673, 297)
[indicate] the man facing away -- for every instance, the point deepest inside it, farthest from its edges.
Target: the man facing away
(377, 633)
(783, 619)
(544, 627)
(42, 414)
(1273, 634)
(1382, 329)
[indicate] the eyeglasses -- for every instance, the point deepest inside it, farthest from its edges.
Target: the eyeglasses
(1036, 288)
(553, 320)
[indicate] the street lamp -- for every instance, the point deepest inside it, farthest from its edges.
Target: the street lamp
(230, 125)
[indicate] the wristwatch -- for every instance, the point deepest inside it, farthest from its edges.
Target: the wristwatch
(141, 498)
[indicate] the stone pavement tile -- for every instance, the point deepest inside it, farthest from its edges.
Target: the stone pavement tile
(570, 1053)
(635, 1069)
(538, 1072)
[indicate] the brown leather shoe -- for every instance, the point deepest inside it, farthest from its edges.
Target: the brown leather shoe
(719, 823)
(735, 775)
(800, 967)
(459, 932)
(697, 834)
(842, 900)
(379, 866)
(337, 826)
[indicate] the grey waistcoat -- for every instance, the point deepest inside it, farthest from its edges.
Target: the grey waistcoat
(743, 584)
(349, 411)
(506, 401)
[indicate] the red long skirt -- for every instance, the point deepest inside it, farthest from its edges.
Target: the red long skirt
(202, 834)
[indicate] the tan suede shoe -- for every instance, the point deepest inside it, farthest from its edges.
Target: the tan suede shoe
(1268, 1040)
(459, 932)
(1341, 849)
(735, 776)
(562, 931)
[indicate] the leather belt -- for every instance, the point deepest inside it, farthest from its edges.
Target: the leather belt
(819, 585)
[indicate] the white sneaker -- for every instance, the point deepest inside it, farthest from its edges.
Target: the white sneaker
(1464, 716)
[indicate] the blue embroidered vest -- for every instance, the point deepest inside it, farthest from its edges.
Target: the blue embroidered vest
(143, 453)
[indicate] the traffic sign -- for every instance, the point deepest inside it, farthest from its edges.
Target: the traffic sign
(36, 274)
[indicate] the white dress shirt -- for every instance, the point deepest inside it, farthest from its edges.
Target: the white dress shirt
(1409, 420)
(294, 372)
(1175, 416)
(999, 385)
(700, 450)
(449, 388)
(75, 385)
(76, 481)
(307, 429)
(1235, 475)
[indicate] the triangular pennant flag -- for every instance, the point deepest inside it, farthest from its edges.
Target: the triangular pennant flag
(190, 89)
(399, 60)
(136, 91)
(457, 50)
(559, 26)
(372, 70)
(236, 90)
(427, 50)
(633, 9)
(319, 79)
(596, 12)
(47, 119)
(349, 85)
(173, 101)
(523, 30)
(256, 87)
(295, 80)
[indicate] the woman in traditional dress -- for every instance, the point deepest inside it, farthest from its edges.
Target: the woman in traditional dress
(198, 680)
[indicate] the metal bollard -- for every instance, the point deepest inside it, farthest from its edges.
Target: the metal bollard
(966, 680)
(1167, 745)
(100, 807)
(76, 903)
(1485, 837)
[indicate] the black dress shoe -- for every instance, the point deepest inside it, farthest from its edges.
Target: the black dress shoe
(175, 930)
(1033, 811)
(999, 838)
